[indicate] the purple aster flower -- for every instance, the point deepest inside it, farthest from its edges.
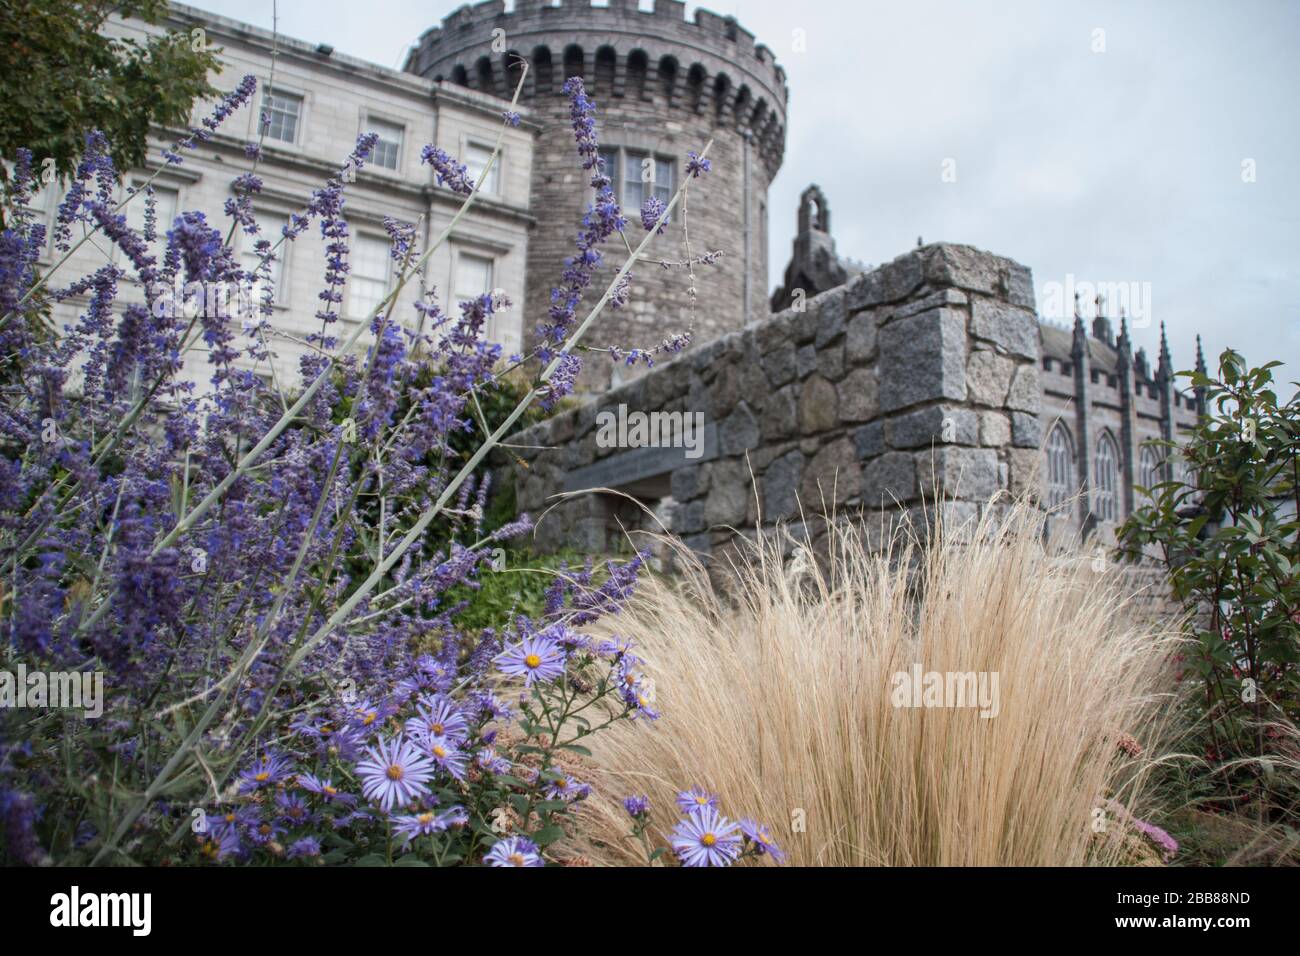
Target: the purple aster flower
(410, 826)
(513, 851)
(761, 837)
(438, 718)
(366, 714)
(535, 659)
(566, 788)
(304, 848)
(696, 798)
(491, 761)
(345, 743)
(394, 773)
(706, 838)
(293, 809)
(267, 771)
(232, 821)
(222, 845)
(636, 806)
(456, 816)
(636, 691)
(446, 755)
(265, 831)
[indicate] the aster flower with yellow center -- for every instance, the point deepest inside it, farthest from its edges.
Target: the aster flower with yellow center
(410, 826)
(394, 773)
(323, 789)
(706, 838)
(447, 756)
(267, 771)
(534, 659)
(438, 717)
(696, 798)
(757, 834)
(514, 851)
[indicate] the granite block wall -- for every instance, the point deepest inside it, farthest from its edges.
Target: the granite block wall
(918, 380)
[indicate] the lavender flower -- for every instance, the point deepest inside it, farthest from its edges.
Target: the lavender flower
(696, 167)
(448, 172)
(651, 210)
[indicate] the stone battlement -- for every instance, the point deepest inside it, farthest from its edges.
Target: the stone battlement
(711, 66)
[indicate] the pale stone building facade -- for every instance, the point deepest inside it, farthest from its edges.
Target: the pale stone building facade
(320, 101)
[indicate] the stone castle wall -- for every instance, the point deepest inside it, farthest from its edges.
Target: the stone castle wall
(915, 380)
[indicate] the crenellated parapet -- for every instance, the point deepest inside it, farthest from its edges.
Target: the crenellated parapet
(709, 68)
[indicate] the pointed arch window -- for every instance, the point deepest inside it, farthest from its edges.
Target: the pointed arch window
(1106, 478)
(1149, 471)
(1060, 467)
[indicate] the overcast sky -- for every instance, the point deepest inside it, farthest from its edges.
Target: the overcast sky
(1108, 142)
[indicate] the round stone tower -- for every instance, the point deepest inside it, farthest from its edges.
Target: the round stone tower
(663, 86)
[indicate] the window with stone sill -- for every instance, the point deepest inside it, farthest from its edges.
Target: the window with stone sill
(388, 148)
(281, 113)
(635, 175)
(369, 270)
(476, 160)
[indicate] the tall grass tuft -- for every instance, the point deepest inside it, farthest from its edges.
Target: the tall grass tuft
(776, 694)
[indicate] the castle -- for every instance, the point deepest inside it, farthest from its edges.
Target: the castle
(865, 389)
(663, 86)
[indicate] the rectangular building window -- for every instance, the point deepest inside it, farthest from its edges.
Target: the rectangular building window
(476, 160)
(280, 115)
(369, 269)
(634, 176)
(473, 277)
(388, 149)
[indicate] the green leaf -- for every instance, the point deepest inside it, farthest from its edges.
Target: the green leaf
(547, 835)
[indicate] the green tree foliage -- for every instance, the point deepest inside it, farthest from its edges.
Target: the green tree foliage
(62, 76)
(1228, 535)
